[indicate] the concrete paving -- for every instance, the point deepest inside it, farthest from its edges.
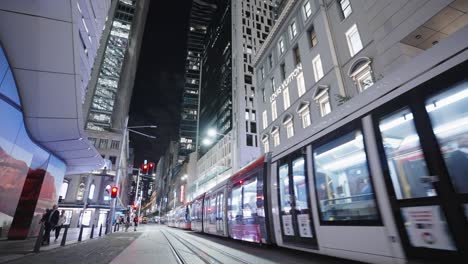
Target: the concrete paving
(159, 244)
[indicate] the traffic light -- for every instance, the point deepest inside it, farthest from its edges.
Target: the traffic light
(144, 168)
(114, 191)
(135, 206)
(151, 167)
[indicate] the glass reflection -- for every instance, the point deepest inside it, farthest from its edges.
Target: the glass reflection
(342, 180)
(406, 163)
(448, 112)
(285, 195)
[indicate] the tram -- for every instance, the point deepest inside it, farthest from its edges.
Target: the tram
(386, 184)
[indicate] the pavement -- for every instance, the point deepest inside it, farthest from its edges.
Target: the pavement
(160, 244)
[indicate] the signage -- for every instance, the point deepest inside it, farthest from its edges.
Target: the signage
(303, 221)
(288, 229)
(426, 227)
(286, 82)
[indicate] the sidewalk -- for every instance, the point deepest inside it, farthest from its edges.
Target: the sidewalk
(12, 249)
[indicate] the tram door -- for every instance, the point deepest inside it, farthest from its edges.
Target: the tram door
(424, 141)
(294, 203)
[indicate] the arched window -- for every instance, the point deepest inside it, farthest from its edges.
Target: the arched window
(266, 143)
(304, 112)
(361, 72)
(275, 135)
(63, 189)
(288, 123)
(81, 191)
(91, 191)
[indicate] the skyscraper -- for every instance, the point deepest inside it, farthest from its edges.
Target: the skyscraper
(227, 92)
(201, 15)
(105, 111)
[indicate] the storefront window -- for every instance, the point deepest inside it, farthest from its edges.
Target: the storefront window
(342, 180)
(449, 116)
(405, 160)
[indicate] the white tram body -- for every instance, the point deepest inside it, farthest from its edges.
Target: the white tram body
(363, 184)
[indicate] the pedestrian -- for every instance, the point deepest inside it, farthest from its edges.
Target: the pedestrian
(61, 221)
(50, 219)
(135, 223)
(127, 223)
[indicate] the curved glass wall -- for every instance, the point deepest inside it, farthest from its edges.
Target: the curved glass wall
(30, 176)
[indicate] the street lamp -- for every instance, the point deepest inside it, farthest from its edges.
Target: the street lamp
(125, 132)
(212, 133)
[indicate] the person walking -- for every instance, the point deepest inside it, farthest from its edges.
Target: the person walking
(50, 219)
(135, 223)
(127, 223)
(61, 221)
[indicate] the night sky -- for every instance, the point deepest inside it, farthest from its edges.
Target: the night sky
(160, 78)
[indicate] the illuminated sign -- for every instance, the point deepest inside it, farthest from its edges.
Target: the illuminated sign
(182, 196)
(286, 82)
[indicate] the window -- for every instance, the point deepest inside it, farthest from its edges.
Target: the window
(318, 70)
(322, 97)
(361, 73)
(81, 191)
(345, 6)
(293, 29)
(283, 71)
(91, 191)
(342, 181)
(273, 86)
(270, 61)
(266, 144)
(304, 113)
(263, 95)
(297, 56)
(274, 114)
(288, 123)
(312, 37)
(265, 119)
(354, 40)
(275, 135)
(113, 159)
(281, 45)
(262, 72)
(115, 144)
(64, 189)
(103, 143)
(287, 102)
(307, 9)
(300, 84)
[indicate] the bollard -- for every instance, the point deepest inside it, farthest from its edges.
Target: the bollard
(115, 228)
(81, 233)
(92, 232)
(107, 230)
(38, 244)
(100, 230)
(64, 237)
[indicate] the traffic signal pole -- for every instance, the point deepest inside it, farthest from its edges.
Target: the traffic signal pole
(137, 186)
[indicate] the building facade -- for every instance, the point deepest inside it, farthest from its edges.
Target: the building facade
(339, 82)
(106, 107)
(43, 138)
(201, 15)
(227, 91)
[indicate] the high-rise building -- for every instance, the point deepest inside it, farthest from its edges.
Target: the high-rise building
(46, 56)
(201, 14)
(105, 110)
(227, 91)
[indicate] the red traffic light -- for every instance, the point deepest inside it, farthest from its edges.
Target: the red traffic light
(151, 165)
(135, 206)
(144, 168)
(114, 191)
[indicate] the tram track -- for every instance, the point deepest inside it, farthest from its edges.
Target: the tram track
(203, 255)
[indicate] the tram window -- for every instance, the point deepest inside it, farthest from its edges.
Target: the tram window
(285, 196)
(408, 170)
(250, 199)
(236, 203)
(212, 210)
(449, 116)
(342, 183)
(300, 189)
